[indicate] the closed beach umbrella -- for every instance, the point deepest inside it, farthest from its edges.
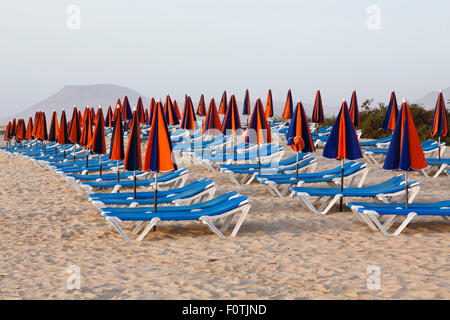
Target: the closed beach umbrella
(74, 130)
(140, 111)
(201, 109)
(117, 110)
(36, 122)
(390, 118)
(117, 149)
(132, 160)
(231, 124)
(288, 106)
(246, 108)
(343, 142)
(109, 118)
(7, 130)
(439, 125)
(170, 114)
(258, 130)
(63, 134)
(146, 116)
(269, 105)
(152, 110)
(41, 131)
(211, 125)
(405, 151)
(20, 130)
(14, 126)
(127, 114)
(188, 121)
(97, 144)
(317, 114)
(54, 129)
(354, 112)
(299, 128)
(177, 111)
(86, 135)
(28, 135)
(158, 154)
(223, 103)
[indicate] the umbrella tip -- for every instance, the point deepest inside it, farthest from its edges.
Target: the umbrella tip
(344, 100)
(404, 100)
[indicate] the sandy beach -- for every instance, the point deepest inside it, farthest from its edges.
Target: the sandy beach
(281, 252)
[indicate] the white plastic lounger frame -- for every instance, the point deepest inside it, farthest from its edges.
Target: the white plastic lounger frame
(371, 217)
(272, 186)
(240, 179)
(427, 170)
(243, 209)
(74, 182)
(176, 182)
(202, 196)
(303, 199)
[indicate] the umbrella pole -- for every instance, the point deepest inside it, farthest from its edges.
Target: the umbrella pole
(259, 158)
(55, 149)
(101, 165)
(342, 183)
(155, 202)
(439, 148)
(87, 163)
(406, 189)
(64, 152)
(296, 168)
(118, 173)
(43, 146)
(134, 184)
(317, 130)
(73, 152)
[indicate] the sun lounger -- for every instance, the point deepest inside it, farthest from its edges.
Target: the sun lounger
(382, 191)
(222, 207)
(269, 153)
(379, 143)
(429, 147)
(75, 179)
(246, 176)
(279, 184)
(434, 162)
(371, 214)
(169, 180)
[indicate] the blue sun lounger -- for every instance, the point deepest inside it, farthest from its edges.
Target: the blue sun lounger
(92, 167)
(246, 176)
(429, 148)
(352, 170)
(382, 191)
(75, 179)
(269, 153)
(200, 190)
(223, 207)
(379, 143)
(371, 213)
(170, 179)
(434, 162)
(282, 163)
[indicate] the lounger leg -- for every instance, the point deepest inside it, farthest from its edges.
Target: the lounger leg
(227, 223)
(408, 219)
(232, 178)
(207, 221)
(440, 170)
(115, 223)
(241, 219)
(149, 227)
(137, 227)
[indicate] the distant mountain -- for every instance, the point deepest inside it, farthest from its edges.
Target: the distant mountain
(428, 101)
(86, 95)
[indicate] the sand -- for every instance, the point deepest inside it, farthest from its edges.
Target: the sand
(281, 252)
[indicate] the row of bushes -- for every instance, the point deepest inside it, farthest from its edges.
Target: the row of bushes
(371, 119)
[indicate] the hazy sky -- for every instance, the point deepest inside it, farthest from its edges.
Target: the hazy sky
(178, 47)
